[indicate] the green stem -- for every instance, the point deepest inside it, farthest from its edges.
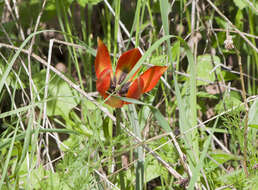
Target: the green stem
(138, 23)
(252, 31)
(246, 112)
(139, 150)
(118, 147)
(117, 17)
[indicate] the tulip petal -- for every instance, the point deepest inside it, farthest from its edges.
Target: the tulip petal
(103, 82)
(152, 76)
(125, 63)
(102, 60)
(136, 89)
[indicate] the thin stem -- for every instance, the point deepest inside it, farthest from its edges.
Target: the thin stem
(117, 17)
(246, 112)
(139, 170)
(118, 147)
(138, 23)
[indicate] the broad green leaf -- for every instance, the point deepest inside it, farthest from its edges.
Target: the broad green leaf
(205, 68)
(64, 98)
(241, 4)
(253, 115)
(61, 97)
(154, 170)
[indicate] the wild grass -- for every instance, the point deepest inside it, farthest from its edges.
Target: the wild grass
(197, 129)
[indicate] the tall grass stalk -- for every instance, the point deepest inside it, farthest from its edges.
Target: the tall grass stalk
(133, 114)
(246, 113)
(252, 31)
(6, 163)
(67, 30)
(117, 17)
(139, 156)
(119, 159)
(191, 140)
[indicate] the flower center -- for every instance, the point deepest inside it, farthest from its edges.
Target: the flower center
(114, 84)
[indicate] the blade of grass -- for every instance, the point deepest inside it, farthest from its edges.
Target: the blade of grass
(183, 124)
(137, 17)
(139, 150)
(86, 31)
(200, 164)
(67, 30)
(117, 17)
(18, 110)
(8, 69)
(135, 21)
(3, 175)
(139, 170)
(22, 135)
(252, 31)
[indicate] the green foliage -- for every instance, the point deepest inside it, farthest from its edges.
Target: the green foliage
(72, 143)
(75, 172)
(205, 69)
(253, 113)
(62, 98)
(219, 158)
(232, 100)
(83, 3)
(240, 4)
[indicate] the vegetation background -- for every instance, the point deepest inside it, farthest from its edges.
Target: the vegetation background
(197, 129)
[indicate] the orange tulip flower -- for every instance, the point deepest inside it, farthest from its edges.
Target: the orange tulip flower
(107, 82)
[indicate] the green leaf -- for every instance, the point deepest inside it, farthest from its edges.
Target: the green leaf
(240, 4)
(221, 22)
(158, 60)
(253, 115)
(9, 67)
(231, 100)
(161, 119)
(131, 100)
(107, 128)
(205, 68)
(203, 94)
(61, 97)
(153, 168)
(219, 157)
(239, 20)
(175, 50)
(83, 3)
(227, 76)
